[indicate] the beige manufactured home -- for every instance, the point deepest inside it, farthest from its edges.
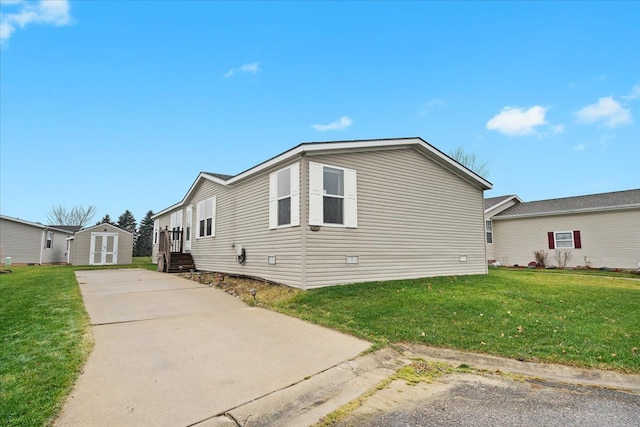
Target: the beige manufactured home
(102, 244)
(598, 230)
(28, 242)
(331, 213)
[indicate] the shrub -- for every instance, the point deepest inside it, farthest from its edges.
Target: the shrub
(562, 257)
(542, 258)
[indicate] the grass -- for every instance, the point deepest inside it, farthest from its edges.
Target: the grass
(45, 338)
(580, 320)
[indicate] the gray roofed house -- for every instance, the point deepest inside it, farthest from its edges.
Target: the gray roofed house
(599, 230)
(330, 213)
(569, 205)
(27, 242)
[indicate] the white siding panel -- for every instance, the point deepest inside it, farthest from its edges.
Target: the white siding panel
(415, 219)
(25, 244)
(242, 218)
(19, 241)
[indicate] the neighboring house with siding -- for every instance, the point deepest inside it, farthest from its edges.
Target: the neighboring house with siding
(332, 213)
(492, 207)
(600, 230)
(29, 242)
(101, 244)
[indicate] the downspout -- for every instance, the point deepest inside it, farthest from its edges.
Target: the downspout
(304, 215)
(44, 233)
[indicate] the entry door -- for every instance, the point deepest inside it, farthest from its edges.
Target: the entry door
(104, 249)
(187, 229)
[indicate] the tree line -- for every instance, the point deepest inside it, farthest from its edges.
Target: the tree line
(81, 216)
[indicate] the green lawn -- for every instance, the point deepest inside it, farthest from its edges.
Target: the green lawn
(45, 339)
(581, 320)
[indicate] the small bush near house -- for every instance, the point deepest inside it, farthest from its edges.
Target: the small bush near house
(562, 257)
(541, 257)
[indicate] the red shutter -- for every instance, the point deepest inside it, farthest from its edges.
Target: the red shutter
(576, 240)
(552, 240)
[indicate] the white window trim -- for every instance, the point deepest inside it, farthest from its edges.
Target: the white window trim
(49, 238)
(188, 227)
(487, 231)
(201, 215)
(175, 221)
(316, 196)
(555, 239)
(294, 175)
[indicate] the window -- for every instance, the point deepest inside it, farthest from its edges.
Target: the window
(175, 222)
(332, 196)
(488, 226)
(206, 218)
(187, 228)
(156, 227)
(49, 243)
(284, 197)
(564, 239)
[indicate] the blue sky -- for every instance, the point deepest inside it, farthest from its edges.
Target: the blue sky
(120, 104)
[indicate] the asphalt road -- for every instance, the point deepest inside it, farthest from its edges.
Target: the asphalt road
(475, 400)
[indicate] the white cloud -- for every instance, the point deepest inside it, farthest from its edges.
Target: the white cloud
(580, 147)
(431, 105)
(340, 124)
(514, 121)
(607, 110)
(252, 68)
(634, 94)
(23, 13)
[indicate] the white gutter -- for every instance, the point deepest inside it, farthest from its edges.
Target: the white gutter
(44, 232)
(569, 212)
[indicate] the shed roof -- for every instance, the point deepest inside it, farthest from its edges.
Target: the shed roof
(627, 199)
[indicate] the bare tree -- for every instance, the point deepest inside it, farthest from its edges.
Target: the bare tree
(78, 215)
(470, 160)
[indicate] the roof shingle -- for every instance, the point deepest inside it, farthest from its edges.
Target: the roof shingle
(590, 202)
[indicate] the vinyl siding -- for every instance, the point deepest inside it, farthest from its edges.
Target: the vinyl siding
(24, 244)
(609, 239)
(57, 254)
(82, 244)
(242, 218)
(415, 219)
(491, 253)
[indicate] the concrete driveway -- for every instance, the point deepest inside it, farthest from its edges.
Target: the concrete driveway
(171, 352)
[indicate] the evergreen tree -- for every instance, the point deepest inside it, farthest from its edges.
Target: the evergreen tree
(126, 221)
(106, 219)
(143, 245)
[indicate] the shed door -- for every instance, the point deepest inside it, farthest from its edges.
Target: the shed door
(104, 249)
